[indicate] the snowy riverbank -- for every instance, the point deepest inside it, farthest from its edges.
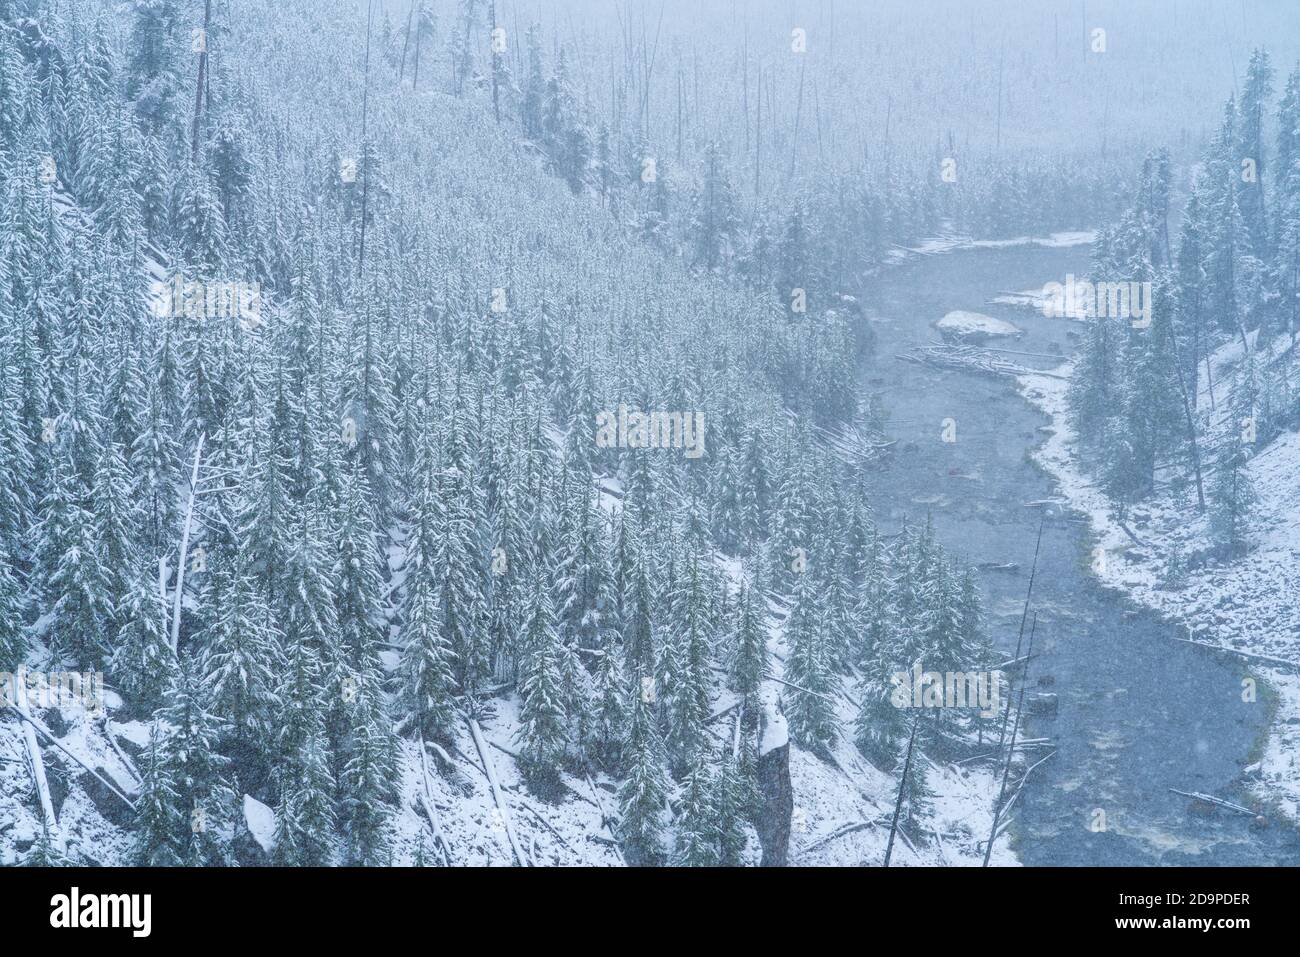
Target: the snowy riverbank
(1236, 606)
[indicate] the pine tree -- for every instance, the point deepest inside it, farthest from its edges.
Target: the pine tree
(370, 775)
(158, 819)
(305, 819)
(240, 644)
(810, 708)
(427, 683)
(457, 561)
(644, 789)
(116, 521)
(143, 665)
(715, 217)
(1233, 496)
(686, 669)
(749, 651)
(610, 719)
(542, 713)
(1250, 145)
(696, 828)
(198, 772)
(729, 809)
(13, 638)
(68, 561)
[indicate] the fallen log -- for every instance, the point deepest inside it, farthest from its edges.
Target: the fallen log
(490, 770)
(605, 821)
(48, 818)
(1217, 802)
(439, 838)
(1281, 662)
(49, 736)
(836, 834)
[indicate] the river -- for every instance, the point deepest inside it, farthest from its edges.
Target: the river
(1138, 712)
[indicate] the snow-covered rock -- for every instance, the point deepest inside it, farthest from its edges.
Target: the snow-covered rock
(964, 326)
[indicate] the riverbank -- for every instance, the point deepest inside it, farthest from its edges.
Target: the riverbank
(1133, 721)
(1239, 606)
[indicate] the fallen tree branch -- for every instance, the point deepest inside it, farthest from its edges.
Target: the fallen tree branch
(126, 763)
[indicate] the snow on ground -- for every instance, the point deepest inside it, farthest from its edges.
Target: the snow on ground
(567, 830)
(948, 243)
(91, 838)
(1248, 605)
(975, 326)
(843, 807)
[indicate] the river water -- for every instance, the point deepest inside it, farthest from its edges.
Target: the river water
(1138, 713)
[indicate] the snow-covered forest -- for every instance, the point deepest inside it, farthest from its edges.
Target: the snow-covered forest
(532, 432)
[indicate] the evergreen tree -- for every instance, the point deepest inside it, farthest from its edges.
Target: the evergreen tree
(644, 789)
(1233, 497)
(68, 561)
(811, 707)
(749, 652)
(729, 809)
(696, 830)
(305, 818)
(158, 817)
(143, 665)
(1250, 145)
(427, 683)
(542, 714)
(198, 772)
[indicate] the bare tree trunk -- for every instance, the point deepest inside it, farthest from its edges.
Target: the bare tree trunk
(1191, 422)
(365, 146)
(1011, 751)
(744, 84)
(201, 83)
(406, 42)
(496, 62)
(798, 111)
(185, 547)
(902, 788)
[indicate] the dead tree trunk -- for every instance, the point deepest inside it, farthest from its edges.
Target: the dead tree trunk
(902, 788)
(197, 125)
(406, 42)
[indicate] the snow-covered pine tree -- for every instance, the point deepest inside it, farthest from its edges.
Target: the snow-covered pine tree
(68, 562)
(158, 814)
(428, 682)
(143, 665)
(198, 772)
(810, 707)
(644, 791)
(696, 830)
(542, 714)
(13, 628)
(748, 651)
